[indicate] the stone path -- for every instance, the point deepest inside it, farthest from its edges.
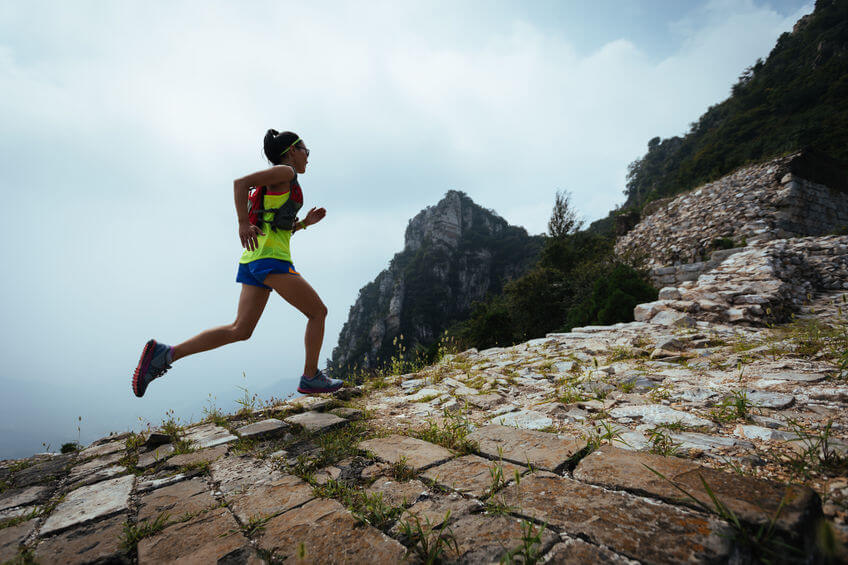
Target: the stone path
(632, 443)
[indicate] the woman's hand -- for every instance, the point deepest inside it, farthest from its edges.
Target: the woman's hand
(248, 234)
(314, 216)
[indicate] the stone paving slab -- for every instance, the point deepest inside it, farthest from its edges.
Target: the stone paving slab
(239, 473)
(539, 449)
(433, 510)
(658, 414)
(574, 550)
(270, 499)
(209, 538)
(316, 422)
(347, 413)
(103, 449)
(49, 470)
(398, 493)
(487, 539)
(207, 455)
(524, 419)
(266, 428)
(419, 454)
(144, 485)
(484, 401)
(638, 528)
(753, 500)
(185, 497)
(23, 496)
(12, 537)
(471, 474)
(95, 542)
(99, 475)
(323, 531)
(208, 435)
(90, 503)
(154, 456)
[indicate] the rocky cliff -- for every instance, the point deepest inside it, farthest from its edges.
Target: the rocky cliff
(454, 253)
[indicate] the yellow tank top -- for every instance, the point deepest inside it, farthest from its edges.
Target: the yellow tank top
(274, 244)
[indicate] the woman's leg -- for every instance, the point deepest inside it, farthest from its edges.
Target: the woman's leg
(250, 307)
(297, 292)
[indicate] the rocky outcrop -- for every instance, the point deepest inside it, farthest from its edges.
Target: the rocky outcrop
(454, 253)
(751, 206)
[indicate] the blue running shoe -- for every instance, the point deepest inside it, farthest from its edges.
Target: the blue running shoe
(153, 364)
(319, 383)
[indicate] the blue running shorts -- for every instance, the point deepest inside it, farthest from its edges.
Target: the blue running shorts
(254, 273)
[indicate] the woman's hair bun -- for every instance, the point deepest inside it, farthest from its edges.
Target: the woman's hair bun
(275, 143)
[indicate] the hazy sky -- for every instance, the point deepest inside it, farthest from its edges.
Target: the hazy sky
(125, 123)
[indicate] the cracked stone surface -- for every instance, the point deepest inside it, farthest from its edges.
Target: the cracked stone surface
(487, 539)
(753, 500)
(209, 538)
(270, 499)
(266, 428)
(419, 454)
(470, 474)
(541, 450)
(207, 455)
(239, 473)
(398, 493)
(185, 497)
(306, 530)
(575, 550)
(95, 542)
(12, 538)
(636, 527)
(89, 503)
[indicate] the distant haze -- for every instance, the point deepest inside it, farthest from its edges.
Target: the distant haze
(124, 125)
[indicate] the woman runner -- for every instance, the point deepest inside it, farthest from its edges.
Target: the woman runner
(265, 265)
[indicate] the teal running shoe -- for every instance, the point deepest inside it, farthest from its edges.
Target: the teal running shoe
(154, 362)
(318, 384)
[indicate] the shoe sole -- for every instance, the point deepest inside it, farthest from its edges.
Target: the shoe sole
(318, 390)
(143, 364)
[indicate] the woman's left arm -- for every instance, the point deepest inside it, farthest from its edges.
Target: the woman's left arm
(314, 216)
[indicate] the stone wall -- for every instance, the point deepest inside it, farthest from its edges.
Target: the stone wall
(753, 205)
(758, 285)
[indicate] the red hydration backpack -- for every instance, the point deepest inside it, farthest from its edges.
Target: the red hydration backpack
(285, 216)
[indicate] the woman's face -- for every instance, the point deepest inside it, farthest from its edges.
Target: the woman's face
(299, 157)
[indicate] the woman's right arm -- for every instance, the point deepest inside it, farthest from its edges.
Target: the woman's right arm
(241, 188)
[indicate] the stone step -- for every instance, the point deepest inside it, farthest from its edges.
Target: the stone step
(417, 453)
(526, 447)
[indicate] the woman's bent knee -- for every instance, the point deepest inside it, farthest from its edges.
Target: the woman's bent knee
(319, 312)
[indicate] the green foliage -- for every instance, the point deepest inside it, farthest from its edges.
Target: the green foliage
(794, 99)
(71, 447)
(816, 453)
(133, 533)
(452, 433)
(428, 543)
(530, 550)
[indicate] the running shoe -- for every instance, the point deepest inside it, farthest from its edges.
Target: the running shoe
(152, 365)
(319, 383)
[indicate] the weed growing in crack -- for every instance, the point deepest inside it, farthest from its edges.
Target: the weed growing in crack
(662, 443)
(373, 510)
(817, 454)
(134, 533)
(735, 407)
(401, 471)
(529, 551)
(429, 543)
(761, 542)
(255, 525)
(451, 434)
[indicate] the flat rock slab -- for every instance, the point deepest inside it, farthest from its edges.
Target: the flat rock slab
(754, 501)
(658, 414)
(239, 473)
(707, 442)
(145, 485)
(471, 474)
(49, 470)
(209, 538)
(524, 419)
(185, 497)
(347, 413)
(323, 531)
(266, 428)
(103, 449)
(95, 542)
(796, 377)
(200, 457)
(153, 457)
(208, 435)
(270, 499)
(398, 493)
(774, 400)
(96, 476)
(418, 454)
(487, 539)
(635, 527)
(11, 539)
(539, 449)
(432, 511)
(316, 422)
(23, 496)
(484, 401)
(574, 550)
(90, 503)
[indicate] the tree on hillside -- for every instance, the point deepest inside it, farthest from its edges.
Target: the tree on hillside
(564, 220)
